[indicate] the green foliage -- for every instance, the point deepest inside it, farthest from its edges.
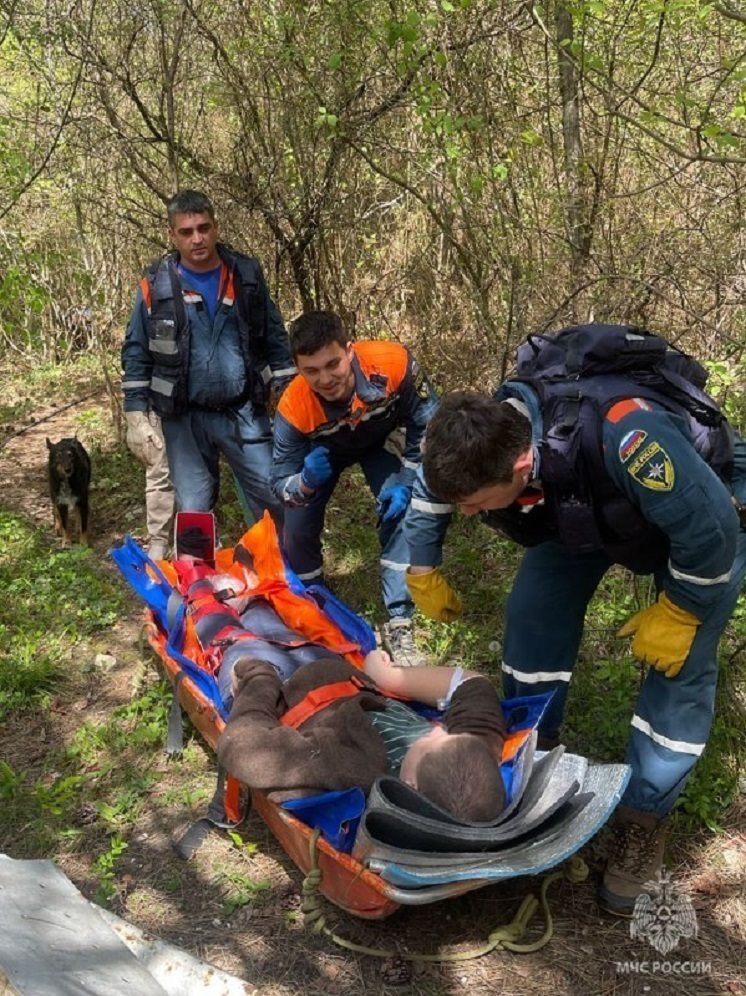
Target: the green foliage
(185, 795)
(10, 782)
(105, 866)
(141, 723)
(239, 889)
(57, 799)
(127, 796)
(112, 766)
(52, 600)
(245, 847)
(725, 385)
(713, 786)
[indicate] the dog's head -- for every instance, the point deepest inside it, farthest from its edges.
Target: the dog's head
(62, 456)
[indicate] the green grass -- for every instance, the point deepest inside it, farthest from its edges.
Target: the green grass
(28, 386)
(53, 600)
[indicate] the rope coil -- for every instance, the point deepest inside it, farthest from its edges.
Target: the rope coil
(508, 937)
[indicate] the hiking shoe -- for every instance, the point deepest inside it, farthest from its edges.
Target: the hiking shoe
(397, 639)
(635, 859)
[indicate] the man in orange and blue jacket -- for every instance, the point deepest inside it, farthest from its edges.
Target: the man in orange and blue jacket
(341, 410)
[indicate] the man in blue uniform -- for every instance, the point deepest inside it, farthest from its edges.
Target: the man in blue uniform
(342, 409)
(657, 507)
(205, 348)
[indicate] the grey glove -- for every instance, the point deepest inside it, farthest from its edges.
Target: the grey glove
(144, 437)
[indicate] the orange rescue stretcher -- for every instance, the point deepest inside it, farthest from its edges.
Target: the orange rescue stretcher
(255, 566)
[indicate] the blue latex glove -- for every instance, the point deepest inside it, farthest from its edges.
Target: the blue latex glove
(317, 468)
(393, 501)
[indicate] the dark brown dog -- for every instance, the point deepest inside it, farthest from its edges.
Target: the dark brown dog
(69, 468)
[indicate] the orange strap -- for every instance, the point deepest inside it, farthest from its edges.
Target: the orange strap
(513, 742)
(323, 696)
(232, 800)
(318, 699)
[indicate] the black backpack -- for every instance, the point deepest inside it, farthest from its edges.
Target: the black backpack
(581, 371)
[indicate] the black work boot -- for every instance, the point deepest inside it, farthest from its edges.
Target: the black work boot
(635, 859)
(397, 639)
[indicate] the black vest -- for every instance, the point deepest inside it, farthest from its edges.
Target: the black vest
(169, 335)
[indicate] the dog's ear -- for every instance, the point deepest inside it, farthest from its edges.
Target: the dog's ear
(50, 445)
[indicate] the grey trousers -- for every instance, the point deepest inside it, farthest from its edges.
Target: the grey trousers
(159, 494)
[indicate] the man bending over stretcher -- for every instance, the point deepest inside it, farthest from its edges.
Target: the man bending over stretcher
(354, 739)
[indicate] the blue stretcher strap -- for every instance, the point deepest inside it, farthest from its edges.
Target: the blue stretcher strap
(206, 683)
(524, 712)
(151, 585)
(352, 625)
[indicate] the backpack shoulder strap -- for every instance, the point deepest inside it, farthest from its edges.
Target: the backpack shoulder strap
(242, 263)
(251, 311)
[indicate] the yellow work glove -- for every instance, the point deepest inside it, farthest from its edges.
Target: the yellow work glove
(433, 596)
(143, 439)
(663, 635)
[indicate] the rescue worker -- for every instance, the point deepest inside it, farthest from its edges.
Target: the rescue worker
(484, 454)
(205, 347)
(341, 410)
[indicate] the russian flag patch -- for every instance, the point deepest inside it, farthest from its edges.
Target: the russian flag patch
(631, 443)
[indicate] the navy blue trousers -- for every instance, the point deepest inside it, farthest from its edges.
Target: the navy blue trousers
(303, 527)
(672, 718)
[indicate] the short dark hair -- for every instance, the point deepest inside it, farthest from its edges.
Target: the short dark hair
(189, 202)
(462, 776)
(313, 330)
(472, 441)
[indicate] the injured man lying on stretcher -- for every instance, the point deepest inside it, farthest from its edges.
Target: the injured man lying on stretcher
(303, 720)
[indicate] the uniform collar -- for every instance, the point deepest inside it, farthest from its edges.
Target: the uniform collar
(525, 400)
(365, 389)
(363, 392)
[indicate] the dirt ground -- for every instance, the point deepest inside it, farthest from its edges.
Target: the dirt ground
(265, 943)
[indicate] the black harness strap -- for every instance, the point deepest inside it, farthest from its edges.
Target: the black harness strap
(175, 738)
(188, 844)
